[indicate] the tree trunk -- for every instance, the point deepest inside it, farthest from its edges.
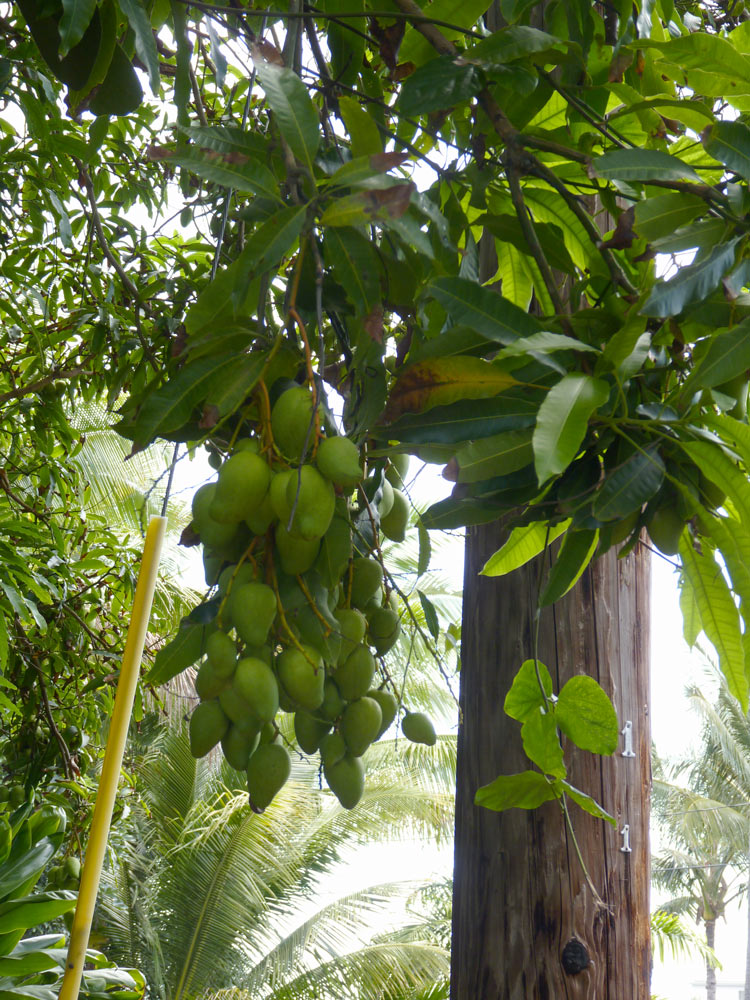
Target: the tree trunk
(520, 895)
(710, 967)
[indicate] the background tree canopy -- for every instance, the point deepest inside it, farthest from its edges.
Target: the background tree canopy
(445, 223)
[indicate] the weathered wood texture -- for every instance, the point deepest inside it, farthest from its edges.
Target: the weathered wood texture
(519, 891)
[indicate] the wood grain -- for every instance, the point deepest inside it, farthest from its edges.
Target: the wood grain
(519, 891)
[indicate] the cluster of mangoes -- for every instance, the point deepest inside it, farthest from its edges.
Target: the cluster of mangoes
(289, 529)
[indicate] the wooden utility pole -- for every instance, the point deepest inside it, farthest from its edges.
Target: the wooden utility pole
(526, 923)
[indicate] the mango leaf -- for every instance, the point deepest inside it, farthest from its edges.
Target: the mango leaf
(294, 111)
(629, 486)
(643, 165)
(586, 715)
(734, 433)
(494, 456)
(523, 544)
(715, 465)
(490, 314)
(232, 170)
(229, 389)
(729, 143)
(24, 865)
(507, 229)
(171, 406)
(691, 283)
(719, 617)
(525, 695)
(355, 267)
(443, 381)
(227, 139)
(361, 128)
(527, 790)
(76, 18)
(541, 744)
(733, 541)
(385, 204)
(563, 421)
(727, 354)
(145, 43)
(586, 802)
(430, 615)
(182, 652)
(544, 342)
(691, 620)
(663, 214)
(466, 420)
(365, 170)
(514, 42)
(577, 551)
(440, 84)
(425, 548)
(464, 13)
(709, 64)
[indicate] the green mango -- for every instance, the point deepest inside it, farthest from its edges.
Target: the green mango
(208, 684)
(267, 772)
(397, 470)
(665, 528)
(313, 501)
(291, 417)
(354, 676)
(297, 555)
(337, 459)
(261, 519)
(394, 523)
(232, 576)
(346, 779)
(213, 535)
(333, 704)
(221, 653)
(237, 747)
(417, 728)
(332, 749)
(277, 493)
(388, 707)
(234, 706)
(241, 487)
(352, 628)
(252, 610)
(309, 730)
(335, 551)
(360, 724)
(212, 563)
(256, 683)
(302, 675)
(208, 723)
(366, 580)
(383, 628)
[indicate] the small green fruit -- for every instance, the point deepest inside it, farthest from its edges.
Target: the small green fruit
(241, 486)
(384, 628)
(394, 523)
(665, 528)
(366, 580)
(309, 730)
(296, 554)
(72, 868)
(313, 501)
(277, 494)
(360, 725)
(332, 749)
(397, 471)
(208, 684)
(352, 628)
(267, 772)
(302, 674)
(388, 707)
(232, 576)
(346, 779)
(237, 747)
(234, 706)
(208, 723)
(256, 683)
(252, 610)
(221, 653)
(338, 460)
(290, 422)
(417, 728)
(333, 704)
(335, 552)
(354, 676)
(213, 535)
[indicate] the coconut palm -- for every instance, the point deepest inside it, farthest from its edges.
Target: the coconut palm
(206, 897)
(706, 819)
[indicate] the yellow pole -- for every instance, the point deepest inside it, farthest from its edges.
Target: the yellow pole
(118, 732)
